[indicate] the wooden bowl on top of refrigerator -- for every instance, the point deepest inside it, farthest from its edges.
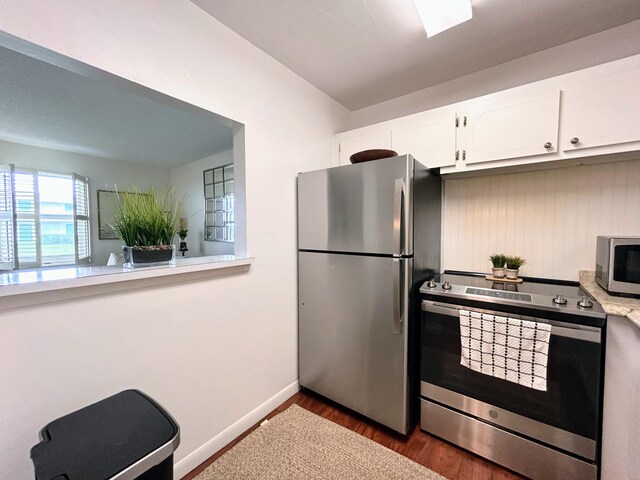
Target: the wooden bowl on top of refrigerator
(375, 154)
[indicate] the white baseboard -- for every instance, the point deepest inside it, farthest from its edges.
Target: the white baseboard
(195, 458)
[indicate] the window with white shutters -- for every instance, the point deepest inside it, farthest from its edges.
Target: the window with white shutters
(44, 219)
(25, 200)
(7, 257)
(81, 213)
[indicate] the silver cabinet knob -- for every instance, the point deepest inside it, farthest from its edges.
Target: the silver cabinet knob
(559, 300)
(575, 140)
(431, 284)
(446, 286)
(548, 145)
(585, 302)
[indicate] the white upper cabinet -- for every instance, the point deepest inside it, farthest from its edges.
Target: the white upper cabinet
(515, 128)
(593, 112)
(366, 138)
(602, 111)
(429, 136)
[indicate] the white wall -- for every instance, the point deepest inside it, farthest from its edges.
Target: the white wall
(549, 217)
(103, 175)
(211, 351)
(596, 49)
(188, 179)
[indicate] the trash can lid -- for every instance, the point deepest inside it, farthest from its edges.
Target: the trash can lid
(103, 439)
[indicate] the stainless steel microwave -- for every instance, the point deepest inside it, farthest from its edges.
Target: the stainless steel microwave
(618, 264)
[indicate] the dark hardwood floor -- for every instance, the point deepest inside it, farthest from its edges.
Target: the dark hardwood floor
(442, 457)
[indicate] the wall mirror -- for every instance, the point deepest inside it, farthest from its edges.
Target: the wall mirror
(219, 211)
(63, 122)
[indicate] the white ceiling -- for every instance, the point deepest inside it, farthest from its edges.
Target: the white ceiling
(47, 106)
(362, 52)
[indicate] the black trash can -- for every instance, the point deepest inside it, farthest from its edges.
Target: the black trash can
(124, 437)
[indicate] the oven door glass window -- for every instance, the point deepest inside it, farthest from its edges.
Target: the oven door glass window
(626, 265)
(570, 403)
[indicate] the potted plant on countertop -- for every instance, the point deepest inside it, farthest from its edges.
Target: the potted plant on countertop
(147, 222)
(497, 261)
(513, 265)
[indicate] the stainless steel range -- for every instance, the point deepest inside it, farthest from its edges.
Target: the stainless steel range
(552, 433)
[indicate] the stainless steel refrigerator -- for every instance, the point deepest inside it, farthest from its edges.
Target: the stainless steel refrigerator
(368, 236)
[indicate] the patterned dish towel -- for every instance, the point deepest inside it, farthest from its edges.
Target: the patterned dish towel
(514, 350)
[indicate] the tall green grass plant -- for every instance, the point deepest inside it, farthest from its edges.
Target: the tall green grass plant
(147, 218)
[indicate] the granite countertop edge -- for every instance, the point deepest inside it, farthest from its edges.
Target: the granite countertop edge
(612, 305)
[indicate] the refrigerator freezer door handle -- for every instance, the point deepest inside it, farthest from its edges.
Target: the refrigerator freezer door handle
(398, 294)
(398, 224)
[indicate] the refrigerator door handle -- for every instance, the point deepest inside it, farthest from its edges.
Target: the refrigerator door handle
(398, 294)
(398, 224)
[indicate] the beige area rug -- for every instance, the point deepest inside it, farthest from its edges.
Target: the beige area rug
(297, 444)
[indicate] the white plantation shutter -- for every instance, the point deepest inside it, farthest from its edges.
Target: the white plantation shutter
(36, 231)
(7, 243)
(81, 218)
(26, 214)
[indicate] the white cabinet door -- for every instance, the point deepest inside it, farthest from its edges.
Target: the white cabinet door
(602, 111)
(430, 137)
(362, 139)
(515, 128)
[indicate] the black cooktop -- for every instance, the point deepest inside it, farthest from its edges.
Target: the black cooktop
(556, 295)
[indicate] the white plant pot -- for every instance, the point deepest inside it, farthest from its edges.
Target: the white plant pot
(498, 272)
(512, 274)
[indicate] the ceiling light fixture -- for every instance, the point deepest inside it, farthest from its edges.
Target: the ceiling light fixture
(440, 15)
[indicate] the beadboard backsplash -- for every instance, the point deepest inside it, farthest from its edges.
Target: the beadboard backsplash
(549, 217)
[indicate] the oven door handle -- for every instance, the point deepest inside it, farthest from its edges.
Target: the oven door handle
(559, 329)
(433, 307)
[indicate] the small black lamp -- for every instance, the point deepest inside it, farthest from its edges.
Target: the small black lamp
(183, 244)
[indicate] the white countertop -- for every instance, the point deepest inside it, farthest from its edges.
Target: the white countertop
(612, 304)
(26, 283)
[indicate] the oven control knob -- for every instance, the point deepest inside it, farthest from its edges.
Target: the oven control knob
(559, 300)
(431, 284)
(585, 302)
(446, 286)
